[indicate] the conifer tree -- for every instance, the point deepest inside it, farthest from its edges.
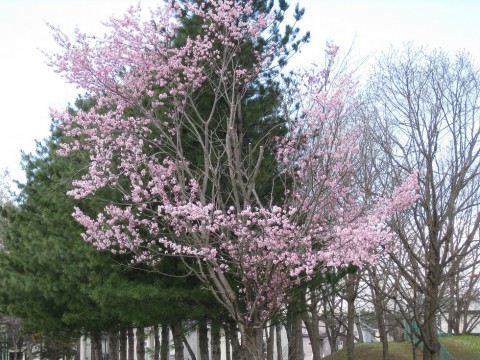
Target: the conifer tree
(62, 287)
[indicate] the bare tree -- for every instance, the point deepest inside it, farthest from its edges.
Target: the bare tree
(5, 187)
(462, 295)
(351, 292)
(311, 319)
(12, 329)
(5, 200)
(379, 301)
(396, 301)
(424, 114)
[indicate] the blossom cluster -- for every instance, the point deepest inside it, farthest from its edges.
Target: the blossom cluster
(143, 82)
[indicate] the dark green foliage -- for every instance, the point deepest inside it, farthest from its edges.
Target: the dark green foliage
(46, 267)
(259, 116)
(58, 284)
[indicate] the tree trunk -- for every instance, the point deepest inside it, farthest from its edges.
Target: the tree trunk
(311, 322)
(270, 336)
(177, 331)
(299, 337)
(294, 331)
(29, 349)
(228, 351)
(140, 336)
(165, 347)
(414, 349)
(113, 345)
(231, 328)
(379, 307)
(203, 339)
(278, 330)
(131, 344)
(79, 347)
(96, 346)
(292, 351)
(123, 344)
(215, 341)
(350, 327)
(452, 308)
(260, 346)
(331, 326)
(351, 295)
(431, 348)
(359, 329)
(295, 343)
(189, 348)
(156, 343)
(383, 335)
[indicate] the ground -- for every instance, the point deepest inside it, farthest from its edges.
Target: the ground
(465, 347)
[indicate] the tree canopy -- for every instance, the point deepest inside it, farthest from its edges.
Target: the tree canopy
(247, 248)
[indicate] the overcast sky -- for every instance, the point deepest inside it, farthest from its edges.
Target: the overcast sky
(28, 88)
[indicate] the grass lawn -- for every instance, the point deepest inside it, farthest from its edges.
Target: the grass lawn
(465, 347)
(373, 351)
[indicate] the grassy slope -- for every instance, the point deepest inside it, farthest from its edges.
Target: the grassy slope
(460, 347)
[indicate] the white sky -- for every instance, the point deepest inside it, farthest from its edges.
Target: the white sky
(28, 88)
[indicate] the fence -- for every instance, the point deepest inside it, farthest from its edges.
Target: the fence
(410, 335)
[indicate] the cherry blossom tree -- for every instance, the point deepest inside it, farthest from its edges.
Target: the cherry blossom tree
(247, 248)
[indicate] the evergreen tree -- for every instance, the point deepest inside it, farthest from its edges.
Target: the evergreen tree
(46, 267)
(58, 284)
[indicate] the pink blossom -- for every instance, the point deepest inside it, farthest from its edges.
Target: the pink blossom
(322, 219)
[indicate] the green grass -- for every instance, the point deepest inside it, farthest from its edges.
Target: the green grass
(465, 347)
(373, 351)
